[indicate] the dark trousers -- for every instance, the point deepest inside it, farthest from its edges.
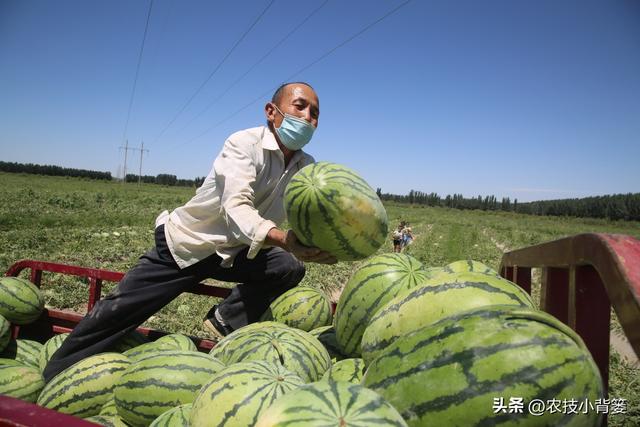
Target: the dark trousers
(156, 280)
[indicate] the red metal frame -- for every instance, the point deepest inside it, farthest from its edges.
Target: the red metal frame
(54, 321)
(583, 276)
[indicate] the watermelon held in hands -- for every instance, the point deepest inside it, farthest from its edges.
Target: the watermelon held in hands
(329, 206)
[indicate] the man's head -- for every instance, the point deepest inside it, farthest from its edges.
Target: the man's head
(297, 99)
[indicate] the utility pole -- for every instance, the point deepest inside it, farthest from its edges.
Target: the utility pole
(126, 150)
(140, 172)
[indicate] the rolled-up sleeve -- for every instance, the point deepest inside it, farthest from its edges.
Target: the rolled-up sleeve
(235, 169)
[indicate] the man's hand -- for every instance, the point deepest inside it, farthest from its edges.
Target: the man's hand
(306, 253)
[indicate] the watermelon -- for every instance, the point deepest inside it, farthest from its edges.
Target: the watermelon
(50, 346)
(149, 349)
(24, 351)
(155, 384)
(376, 282)
(107, 421)
(468, 265)
(238, 394)
(21, 302)
(83, 388)
(434, 300)
(330, 403)
(5, 332)
(329, 206)
(109, 408)
(129, 341)
(302, 307)
(296, 350)
(453, 372)
(347, 370)
(174, 417)
(20, 381)
(327, 336)
(179, 341)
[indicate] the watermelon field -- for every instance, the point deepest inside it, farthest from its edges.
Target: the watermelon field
(109, 225)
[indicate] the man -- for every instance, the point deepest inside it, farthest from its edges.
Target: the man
(227, 231)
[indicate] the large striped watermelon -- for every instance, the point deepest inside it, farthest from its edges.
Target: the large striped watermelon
(155, 384)
(296, 350)
(330, 403)
(434, 300)
(107, 420)
(453, 372)
(348, 370)
(331, 207)
(174, 417)
(21, 301)
(20, 381)
(24, 351)
(302, 307)
(237, 395)
(376, 282)
(5, 332)
(129, 341)
(149, 349)
(84, 387)
(50, 346)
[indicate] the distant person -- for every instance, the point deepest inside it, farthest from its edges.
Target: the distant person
(228, 231)
(396, 236)
(407, 236)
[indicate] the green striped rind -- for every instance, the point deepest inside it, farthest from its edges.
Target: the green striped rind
(347, 370)
(5, 332)
(129, 341)
(330, 403)
(302, 307)
(451, 372)
(376, 282)
(179, 341)
(26, 352)
(107, 421)
(21, 382)
(158, 383)
(436, 299)
(297, 350)
(11, 362)
(468, 265)
(84, 387)
(21, 301)
(236, 396)
(175, 417)
(150, 348)
(331, 207)
(327, 336)
(50, 347)
(109, 408)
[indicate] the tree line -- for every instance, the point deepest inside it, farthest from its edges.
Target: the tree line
(51, 170)
(614, 207)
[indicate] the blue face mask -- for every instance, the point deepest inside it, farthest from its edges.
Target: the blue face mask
(294, 132)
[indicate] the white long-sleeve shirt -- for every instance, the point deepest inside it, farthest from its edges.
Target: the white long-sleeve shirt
(239, 202)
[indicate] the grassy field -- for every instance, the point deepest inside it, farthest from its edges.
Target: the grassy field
(109, 225)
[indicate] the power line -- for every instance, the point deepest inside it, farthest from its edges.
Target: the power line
(254, 65)
(135, 80)
(215, 70)
(320, 58)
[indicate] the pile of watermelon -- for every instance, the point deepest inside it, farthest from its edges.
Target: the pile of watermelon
(407, 345)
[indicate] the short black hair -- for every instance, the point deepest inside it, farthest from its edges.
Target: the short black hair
(277, 95)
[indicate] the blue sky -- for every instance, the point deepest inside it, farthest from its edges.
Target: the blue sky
(527, 99)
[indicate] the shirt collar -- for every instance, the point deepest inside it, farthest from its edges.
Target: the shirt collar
(269, 143)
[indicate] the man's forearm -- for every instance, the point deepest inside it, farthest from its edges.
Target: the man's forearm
(277, 237)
